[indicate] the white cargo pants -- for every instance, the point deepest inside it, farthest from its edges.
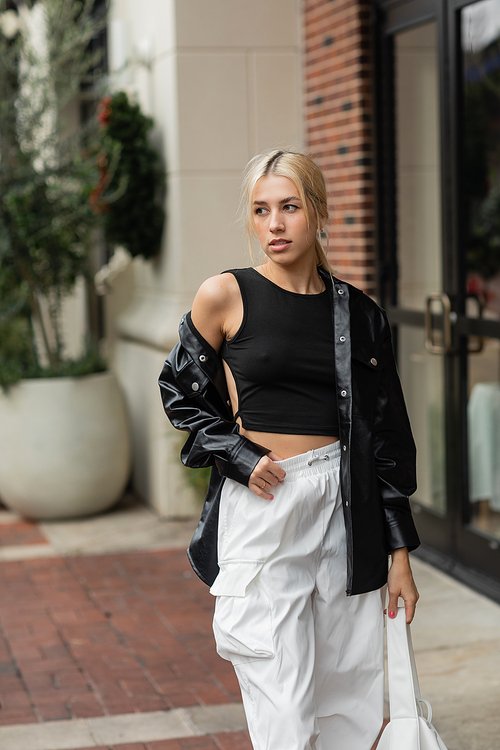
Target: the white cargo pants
(308, 658)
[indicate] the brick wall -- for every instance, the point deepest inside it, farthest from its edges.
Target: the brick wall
(339, 128)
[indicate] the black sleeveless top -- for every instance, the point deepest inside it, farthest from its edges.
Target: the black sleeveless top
(282, 359)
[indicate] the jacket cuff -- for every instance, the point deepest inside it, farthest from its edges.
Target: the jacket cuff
(242, 462)
(400, 530)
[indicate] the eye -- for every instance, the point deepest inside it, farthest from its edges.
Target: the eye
(290, 208)
(260, 211)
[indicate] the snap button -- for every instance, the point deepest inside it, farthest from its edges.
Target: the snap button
(195, 386)
(182, 321)
(373, 361)
(228, 402)
(340, 291)
(204, 359)
(344, 447)
(347, 503)
(343, 393)
(342, 338)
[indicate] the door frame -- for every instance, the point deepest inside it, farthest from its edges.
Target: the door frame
(448, 543)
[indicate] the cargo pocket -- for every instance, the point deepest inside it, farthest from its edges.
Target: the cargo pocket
(242, 618)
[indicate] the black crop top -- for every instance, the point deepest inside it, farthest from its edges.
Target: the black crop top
(282, 359)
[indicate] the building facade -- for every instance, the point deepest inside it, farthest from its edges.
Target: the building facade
(399, 102)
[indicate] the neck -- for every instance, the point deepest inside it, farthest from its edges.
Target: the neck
(302, 280)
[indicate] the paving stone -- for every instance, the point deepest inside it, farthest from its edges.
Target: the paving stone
(25, 551)
(139, 727)
(127, 527)
(209, 696)
(233, 741)
(188, 729)
(52, 711)
(197, 743)
(212, 719)
(17, 716)
(163, 745)
(54, 735)
(18, 532)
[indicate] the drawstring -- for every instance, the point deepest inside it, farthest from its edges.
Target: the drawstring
(318, 458)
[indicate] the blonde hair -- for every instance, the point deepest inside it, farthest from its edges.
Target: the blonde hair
(310, 183)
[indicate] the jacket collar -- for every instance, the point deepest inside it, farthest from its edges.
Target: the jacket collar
(328, 278)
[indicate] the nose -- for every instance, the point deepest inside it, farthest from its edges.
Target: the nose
(276, 224)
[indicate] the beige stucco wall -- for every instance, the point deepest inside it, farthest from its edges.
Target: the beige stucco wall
(222, 80)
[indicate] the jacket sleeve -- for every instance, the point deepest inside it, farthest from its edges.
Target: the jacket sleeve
(395, 454)
(192, 404)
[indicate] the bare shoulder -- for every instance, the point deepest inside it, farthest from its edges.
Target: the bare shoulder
(213, 303)
(216, 293)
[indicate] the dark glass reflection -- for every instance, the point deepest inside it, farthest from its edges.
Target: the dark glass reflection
(481, 185)
(481, 82)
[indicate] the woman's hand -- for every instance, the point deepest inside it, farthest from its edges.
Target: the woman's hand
(266, 475)
(401, 584)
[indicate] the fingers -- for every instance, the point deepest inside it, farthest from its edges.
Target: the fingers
(410, 598)
(410, 611)
(392, 607)
(267, 470)
(261, 489)
(266, 475)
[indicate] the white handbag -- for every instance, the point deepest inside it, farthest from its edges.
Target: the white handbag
(408, 728)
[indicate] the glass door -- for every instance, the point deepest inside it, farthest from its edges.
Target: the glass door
(419, 244)
(438, 125)
(412, 272)
(478, 322)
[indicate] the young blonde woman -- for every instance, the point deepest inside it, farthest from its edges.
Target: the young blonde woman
(285, 380)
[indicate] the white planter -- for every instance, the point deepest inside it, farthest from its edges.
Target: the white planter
(64, 446)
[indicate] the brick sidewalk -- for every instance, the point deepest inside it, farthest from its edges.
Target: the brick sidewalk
(105, 635)
(115, 650)
(226, 741)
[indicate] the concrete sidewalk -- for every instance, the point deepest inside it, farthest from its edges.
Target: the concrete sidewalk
(106, 642)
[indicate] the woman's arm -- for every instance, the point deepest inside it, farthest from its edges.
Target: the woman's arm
(213, 437)
(217, 314)
(395, 460)
(395, 455)
(200, 411)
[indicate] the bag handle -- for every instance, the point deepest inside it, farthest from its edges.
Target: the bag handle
(404, 690)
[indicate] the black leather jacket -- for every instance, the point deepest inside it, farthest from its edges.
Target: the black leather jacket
(378, 452)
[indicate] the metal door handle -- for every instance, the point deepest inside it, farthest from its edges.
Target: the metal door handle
(430, 341)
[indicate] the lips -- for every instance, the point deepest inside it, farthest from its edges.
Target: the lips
(280, 243)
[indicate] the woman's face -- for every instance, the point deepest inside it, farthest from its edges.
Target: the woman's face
(280, 221)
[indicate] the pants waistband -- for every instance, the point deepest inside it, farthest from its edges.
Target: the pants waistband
(315, 461)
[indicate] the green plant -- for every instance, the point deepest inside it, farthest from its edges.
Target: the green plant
(133, 217)
(198, 479)
(46, 178)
